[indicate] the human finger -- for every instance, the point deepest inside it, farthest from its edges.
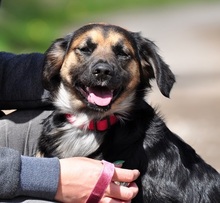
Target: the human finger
(125, 175)
(111, 200)
(121, 192)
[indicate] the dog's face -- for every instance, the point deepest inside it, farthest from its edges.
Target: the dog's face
(101, 68)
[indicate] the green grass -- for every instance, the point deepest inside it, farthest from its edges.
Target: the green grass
(31, 25)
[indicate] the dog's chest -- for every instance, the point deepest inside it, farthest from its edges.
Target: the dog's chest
(77, 142)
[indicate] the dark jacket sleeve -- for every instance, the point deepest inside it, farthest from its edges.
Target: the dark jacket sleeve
(39, 177)
(10, 167)
(21, 81)
(27, 176)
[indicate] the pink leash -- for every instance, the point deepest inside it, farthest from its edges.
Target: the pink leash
(102, 183)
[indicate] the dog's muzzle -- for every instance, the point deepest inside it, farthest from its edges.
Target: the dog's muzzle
(98, 85)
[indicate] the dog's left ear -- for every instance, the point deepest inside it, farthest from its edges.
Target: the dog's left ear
(153, 66)
(53, 61)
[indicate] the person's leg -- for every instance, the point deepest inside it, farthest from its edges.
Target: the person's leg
(21, 129)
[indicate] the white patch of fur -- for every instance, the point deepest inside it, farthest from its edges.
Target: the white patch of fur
(81, 120)
(62, 100)
(63, 103)
(78, 142)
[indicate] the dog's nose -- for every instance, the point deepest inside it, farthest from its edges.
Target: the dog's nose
(102, 70)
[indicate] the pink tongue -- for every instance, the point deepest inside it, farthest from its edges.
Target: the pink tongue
(100, 97)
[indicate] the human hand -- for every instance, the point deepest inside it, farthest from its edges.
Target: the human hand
(78, 176)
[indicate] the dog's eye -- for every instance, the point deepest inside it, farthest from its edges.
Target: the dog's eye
(121, 54)
(85, 50)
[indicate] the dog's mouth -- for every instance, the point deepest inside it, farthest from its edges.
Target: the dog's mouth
(100, 96)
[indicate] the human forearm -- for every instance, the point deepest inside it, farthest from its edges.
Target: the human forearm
(20, 81)
(9, 172)
(27, 176)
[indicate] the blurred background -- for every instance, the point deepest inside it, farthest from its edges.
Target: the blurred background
(187, 33)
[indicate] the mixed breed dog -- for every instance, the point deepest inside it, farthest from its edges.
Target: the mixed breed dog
(98, 77)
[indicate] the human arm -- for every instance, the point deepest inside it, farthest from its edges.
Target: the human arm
(9, 172)
(20, 81)
(71, 180)
(27, 176)
(66, 180)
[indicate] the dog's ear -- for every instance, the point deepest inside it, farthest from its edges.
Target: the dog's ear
(153, 66)
(54, 58)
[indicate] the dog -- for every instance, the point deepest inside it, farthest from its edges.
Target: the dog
(98, 77)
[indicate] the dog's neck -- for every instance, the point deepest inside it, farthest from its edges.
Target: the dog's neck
(96, 125)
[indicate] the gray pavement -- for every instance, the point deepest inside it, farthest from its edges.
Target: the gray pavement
(189, 41)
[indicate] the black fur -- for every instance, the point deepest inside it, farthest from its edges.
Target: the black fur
(171, 171)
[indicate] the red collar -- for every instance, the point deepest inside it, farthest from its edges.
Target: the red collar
(99, 125)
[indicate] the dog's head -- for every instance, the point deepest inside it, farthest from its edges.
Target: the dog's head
(101, 68)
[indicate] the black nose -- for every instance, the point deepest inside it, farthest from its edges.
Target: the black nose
(102, 70)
